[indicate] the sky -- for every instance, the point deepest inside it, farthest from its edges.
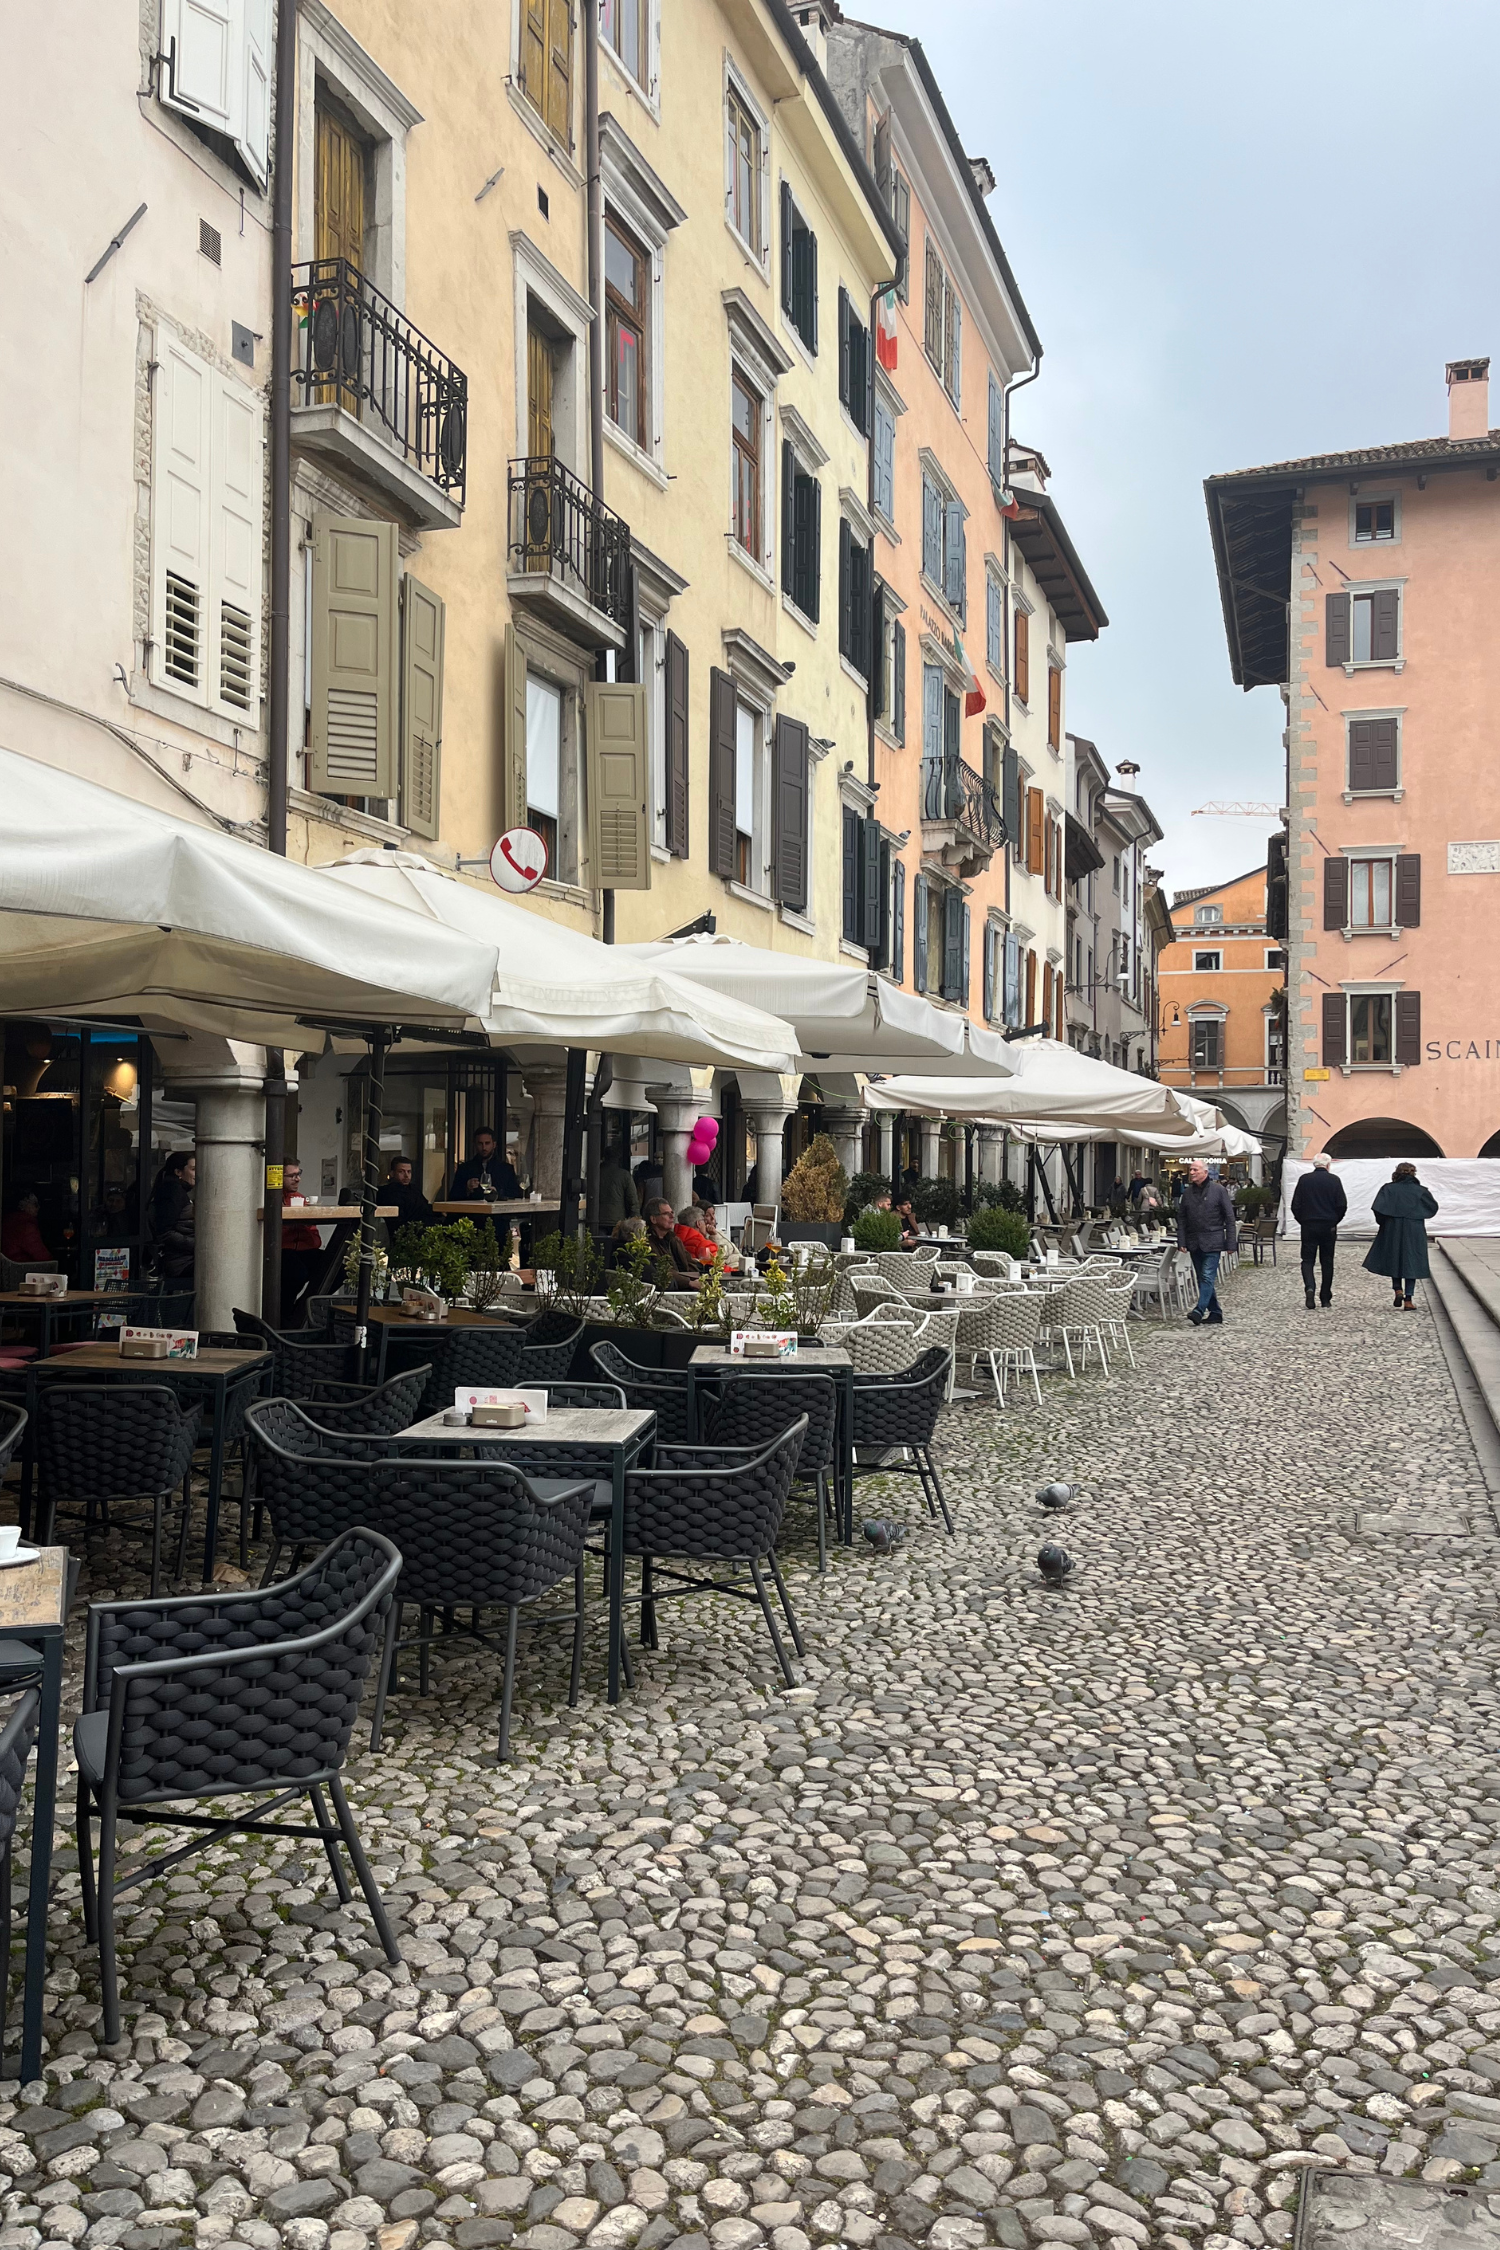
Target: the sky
(1244, 234)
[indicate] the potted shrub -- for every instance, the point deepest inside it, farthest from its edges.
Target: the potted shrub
(936, 1202)
(1000, 1230)
(877, 1230)
(813, 1196)
(863, 1189)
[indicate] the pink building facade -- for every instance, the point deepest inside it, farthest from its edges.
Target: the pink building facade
(1365, 586)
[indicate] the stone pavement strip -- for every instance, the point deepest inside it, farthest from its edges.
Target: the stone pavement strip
(1029, 1917)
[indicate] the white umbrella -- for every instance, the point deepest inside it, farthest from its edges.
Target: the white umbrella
(1052, 1085)
(559, 987)
(109, 907)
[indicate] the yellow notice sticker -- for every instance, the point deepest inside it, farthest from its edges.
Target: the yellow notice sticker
(1312, 1074)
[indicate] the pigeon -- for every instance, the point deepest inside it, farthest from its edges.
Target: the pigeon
(1056, 1496)
(885, 1537)
(1054, 1563)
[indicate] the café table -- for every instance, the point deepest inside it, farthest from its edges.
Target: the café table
(33, 1612)
(394, 1320)
(343, 1218)
(623, 1433)
(808, 1359)
(73, 1305)
(217, 1374)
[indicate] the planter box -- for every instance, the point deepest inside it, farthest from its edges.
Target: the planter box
(829, 1232)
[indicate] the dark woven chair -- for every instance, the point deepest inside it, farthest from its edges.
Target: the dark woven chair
(710, 1504)
(314, 1483)
(902, 1410)
(13, 1429)
(376, 1410)
(549, 1349)
(748, 1410)
(459, 1359)
(480, 1535)
(655, 1390)
(299, 1369)
(16, 1740)
(228, 1695)
(98, 1443)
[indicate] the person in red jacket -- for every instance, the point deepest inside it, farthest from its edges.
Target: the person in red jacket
(689, 1232)
(20, 1236)
(301, 1250)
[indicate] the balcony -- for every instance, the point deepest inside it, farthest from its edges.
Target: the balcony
(569, 555)
(374, 397)
(962, 824)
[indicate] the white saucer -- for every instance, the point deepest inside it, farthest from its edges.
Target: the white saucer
(21, 1555)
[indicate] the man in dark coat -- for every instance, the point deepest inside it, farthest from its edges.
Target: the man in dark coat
(400, 1188)
(486, 1176)
(1399, 1251)
(1318, 1205)
(1205, 1229)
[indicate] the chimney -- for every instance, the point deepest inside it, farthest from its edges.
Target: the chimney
(984, 175)
(812, 21)
(1468, 398)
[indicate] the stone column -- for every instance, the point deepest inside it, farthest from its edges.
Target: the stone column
(767, 1121)
(845, 1126)
(227, 1082)
(932, 1133)
(887, 1126)
(991, 1143)
(547, 1085)
(676, 1115)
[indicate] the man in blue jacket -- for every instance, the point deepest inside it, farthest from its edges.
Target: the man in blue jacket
(1318, 1205)
(1205, 1229)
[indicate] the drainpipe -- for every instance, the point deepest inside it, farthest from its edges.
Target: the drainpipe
(279, 653)
(596, 310)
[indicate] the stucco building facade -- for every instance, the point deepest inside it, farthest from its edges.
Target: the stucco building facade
(1223, 1012)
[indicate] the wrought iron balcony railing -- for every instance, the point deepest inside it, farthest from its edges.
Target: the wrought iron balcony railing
(559, 528)
(353, 349)
(953, 791)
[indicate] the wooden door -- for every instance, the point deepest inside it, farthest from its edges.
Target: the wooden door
(339, 190)
(539, 366)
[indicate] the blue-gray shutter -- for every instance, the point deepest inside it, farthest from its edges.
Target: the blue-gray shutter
(989, 972)
(932, 533)
(953, 554)
(898, 922)
(964, 986)
(994, 625)
(919, 934)
(953, 945)
(898, 680)
(869, 884)
(997, 432)
(885, 461)
(932, 714)
(849, 920)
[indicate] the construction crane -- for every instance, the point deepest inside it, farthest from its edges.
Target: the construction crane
(1241, 810)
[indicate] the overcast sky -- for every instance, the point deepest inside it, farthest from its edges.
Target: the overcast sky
(1244, 234)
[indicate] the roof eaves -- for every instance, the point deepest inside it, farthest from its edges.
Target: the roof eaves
(807, 63)
(1089, 606)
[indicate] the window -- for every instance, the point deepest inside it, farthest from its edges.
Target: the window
(1373, 891)
(996, 433)
(216, 71)
(942, 326)
(206, 534)
(1372, 1030)
(748, 412)
(547, 63)
(627, 285)
(892, 707)
(799, 270)
(1208, 1044)
(743, 158)
(1203, 914)
(893, 185)
(544, 731)
(1370, 1027)
(801, 534)
(1363, 627)
(866, 877)
(1021, 679)
(746, 744)
(941, 716)
(1115, 874)
(885, 461)
(1374, 756)
(1054, 707)
(1012, 994)
(856, 599)
(994, 624)
(856, 364)
(626, 26)
(1374, 520)
(1208, 964)
(945, 562)
(1370, 891)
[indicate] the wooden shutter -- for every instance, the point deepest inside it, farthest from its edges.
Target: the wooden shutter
(1035, 841)
(677, 747)
(1335, 1029)
(1408, 1028)
(951, 987)
(252, 124)
(847, 623)
(513, 746)
(953, 374)
(1057, 1005)
(1361, 754)
(1336, 642)
(881, 956)
(901, 213)
(953, 554)
(1385, 626)
(1054, 706)
(885, 465)
(1047, 868)
(845, 371)
(721, 718)
(849, 874)
(786, 248)
(181, 537)
(919, 933)
(1336, 893)
(200, 44)
(1023, 656)
(963, 987)
(619, 787)
(1046, 1014)
(422, 623)
(1010, 796)
(559, 111)
(932, 312)
(354, 639)
(932, 532)
(236, 495)
(534, 51)
(806, 533)
(882, 158)
(989, 972)
(898, 920)
(1030, 1016)
(1409, 890)
(997, 433)
(898, 680)
(789, 813)
(1384, 757)
(788, 519)
(869, 884)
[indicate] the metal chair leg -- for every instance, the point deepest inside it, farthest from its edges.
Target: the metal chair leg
(356, 1851)
(330, 1837)
(86, 1862)
(575, 1678)
(109, 1979)
(648, 1606)
(821, 1490)
(507, 1691)
(765, 1609)
(786, 1602)
(187, 1517)
(924, 1454)
(387, 1673)
(157, 1506)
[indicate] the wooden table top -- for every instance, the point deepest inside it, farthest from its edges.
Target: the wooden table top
(457, 1316)
(511, 1208)
(322, 1214)
(807, 1355)
(33, 1596)
(69, 1297)
(571, 1425)
(214, 1359)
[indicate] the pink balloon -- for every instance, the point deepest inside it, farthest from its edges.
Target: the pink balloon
(707, 1130)
(697, 1152)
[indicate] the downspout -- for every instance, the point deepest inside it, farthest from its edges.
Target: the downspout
(583, 1127)
(1019, 383)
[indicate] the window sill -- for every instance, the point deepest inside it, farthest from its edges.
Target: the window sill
(753, 257)
(799, 921)
(541, 131)
(885, 526)
(954, 616)
(1373, 664)
(854, 952)
(635, 454)
(808, 624)
(751, 898)
(650, 101)
(887, 737)
(857, 677)
(660, 853)
(163, 702)
(806, 352)
(747, 561)
(1386, 930)
(315, 807)
(571, 894)
(1368, 1070)
(1360, 796)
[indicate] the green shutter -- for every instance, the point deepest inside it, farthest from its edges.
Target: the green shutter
(513, 745)
(354, 640)
(422, 624)
(618, 769)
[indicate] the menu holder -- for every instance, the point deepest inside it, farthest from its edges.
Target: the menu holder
(158, 1343)
(483, 1406)
(761, 1343)
(44, 1285)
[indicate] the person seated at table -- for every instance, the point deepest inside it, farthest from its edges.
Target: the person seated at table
(880, 1202)
(708, 1227)
(400, 1188)
(676, 1267)
(911, 1228)
(20, 1236)
(622, 1232)
(301, 1247)
(691, 1230)
(486, 1176)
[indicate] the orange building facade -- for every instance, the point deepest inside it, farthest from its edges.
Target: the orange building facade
(1222, 989)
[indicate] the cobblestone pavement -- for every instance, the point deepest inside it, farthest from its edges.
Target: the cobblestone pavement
(1029, 1917)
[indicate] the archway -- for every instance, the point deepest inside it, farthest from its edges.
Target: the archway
(1388, 1139)
(1491, 1146)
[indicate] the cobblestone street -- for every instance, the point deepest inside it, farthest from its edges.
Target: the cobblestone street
(1090, 1916)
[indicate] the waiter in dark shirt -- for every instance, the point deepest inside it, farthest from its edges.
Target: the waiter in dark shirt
(487, 1176)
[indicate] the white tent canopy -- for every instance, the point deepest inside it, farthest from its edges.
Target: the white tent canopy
(1052, 1085)
(845, 1018)
(557, 986)
(109, 907)
(1227, 1141)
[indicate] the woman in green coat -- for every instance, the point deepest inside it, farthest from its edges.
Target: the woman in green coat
(1399, 1250)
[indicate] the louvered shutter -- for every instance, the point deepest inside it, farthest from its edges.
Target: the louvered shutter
(1335, 1029)
(619, 787)
(1047, 859)
(1057, 1005)
(422, 624)
(919, 933)
(846, 590)
(1336, 893)
(932, 714)
(677, 747)
(1046, 1014)
(1030, 1015)
(963, 988)
(560, 69)
(1336, 628)
(885, 463)
(997, 433)
(932, 532)
(953, 945)
(844, 345)
(950, 729)
(810, 332)
(994, 625)
(252, 135)
(1385, 626)
(202, 44)
(881, 957)
(849, 871)
(354, 641)
(898, 678)
(1010, 796)
(898, 921)
(788, 519)
(954, 373)
(882, 153)
(789, 812)
(989, 972)
(932, 310)
(1408, 1028)
(513, 799)
(236, 504)
(869, 884)
(1023, 656)
(877, 673)
(787, 296)
(534, 50)
(1384, 759)
(1361, 754)
(721, 730)
(1054, 707)
(1035, 842)
(814, 550)
(901, 212)
(953, 554)
(181, 536)
(1409, 890)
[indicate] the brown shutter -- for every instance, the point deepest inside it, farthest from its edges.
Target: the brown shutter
(560, 70)
(677, 747)
(1409, 891)
(1335, 1029)
(1336, 893)
(1385, 626)
(422, 623)
(534, 50)
(1408, 1028)
(1036, 844)
(789, 812)
(932, 315)
(618, 786)
(1054, 707)
(721, 835)
(513, 745)
(354, 667)
(1336, 628)
(1046, 1015)
(1030, 1016)
(1023, 656)
(1383, 754)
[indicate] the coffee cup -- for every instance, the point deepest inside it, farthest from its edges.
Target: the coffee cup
(10, 1540)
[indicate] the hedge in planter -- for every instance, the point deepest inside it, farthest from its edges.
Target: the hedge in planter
(1000, 1230)
(816, 1189)
(877, 1230)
